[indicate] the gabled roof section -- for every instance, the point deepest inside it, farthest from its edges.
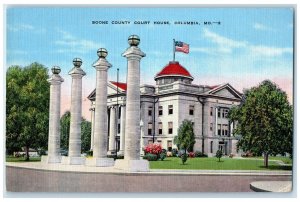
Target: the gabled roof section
(120, 85)
(224, 90)
(112, 88)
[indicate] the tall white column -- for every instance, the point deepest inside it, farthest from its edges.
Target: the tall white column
(112, 131)
(101, 119)
(92, 109)
(216, 116)
(122, 130)
(54, 118)
(76, 115)
(132, 160)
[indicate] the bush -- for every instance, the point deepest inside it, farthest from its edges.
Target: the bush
(174, 152)
(150, 157)
(184, 158)
(192, 154)
(153, 148)
(219, 154)
(162, 156)
(248, 154)
(164, 151)
(89, 153)
(200, 154)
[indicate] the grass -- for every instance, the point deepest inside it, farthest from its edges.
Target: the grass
(214, 164)
(21, 159)
(285, 160)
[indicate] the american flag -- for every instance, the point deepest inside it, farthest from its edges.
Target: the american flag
(182, 47)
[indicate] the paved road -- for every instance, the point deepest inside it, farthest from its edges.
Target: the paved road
(30, 180)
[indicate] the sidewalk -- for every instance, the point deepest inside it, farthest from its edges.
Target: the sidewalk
(87, 169)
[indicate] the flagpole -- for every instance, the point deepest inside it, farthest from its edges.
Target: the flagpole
(173, 50)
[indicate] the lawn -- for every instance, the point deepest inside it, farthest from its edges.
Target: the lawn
(285, 160)
(214, 164)
(21, 159)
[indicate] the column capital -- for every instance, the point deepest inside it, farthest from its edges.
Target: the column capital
(55, 79)
(102, 64)
(133, 53)
(76, 71)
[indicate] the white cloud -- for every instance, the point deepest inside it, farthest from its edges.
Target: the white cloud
(270, 51)
(70, 44)
(261, 27)
(20, 27)
(222, 41)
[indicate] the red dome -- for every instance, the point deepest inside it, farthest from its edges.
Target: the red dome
(173, 69)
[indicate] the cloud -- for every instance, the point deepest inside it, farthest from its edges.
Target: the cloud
(226, 45)
(71, 44)
(222, 41)
(261, 27)
(20, 27)
(270, 51)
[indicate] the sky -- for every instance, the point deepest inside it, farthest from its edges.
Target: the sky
(248, 46)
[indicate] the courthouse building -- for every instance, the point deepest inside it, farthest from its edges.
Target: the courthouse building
(164, 107)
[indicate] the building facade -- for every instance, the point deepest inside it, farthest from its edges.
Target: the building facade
(164, 106)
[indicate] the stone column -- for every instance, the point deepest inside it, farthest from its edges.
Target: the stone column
(132, 160)
(92, 109)
(101, 130)
(112, 131)
(74, 156)
(54, 118)
(122, 130)
(216, 120)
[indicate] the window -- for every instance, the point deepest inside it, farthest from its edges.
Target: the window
(219, 112)
(149, 128)
(225, 129)
(211, 127)
(150, 111)
(160, 110)
(191, 111)
(211, 146)
(225, 113)
(160, 128)
(119, 128)
(211, 111)
(159, 142)
(170, 127)
(219, 129)
(170, 109)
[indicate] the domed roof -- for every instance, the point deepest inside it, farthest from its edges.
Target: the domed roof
(173, 69)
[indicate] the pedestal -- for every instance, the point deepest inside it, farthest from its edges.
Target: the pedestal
(100, 162)
(132, 165)
(51, 159)
(67, 160)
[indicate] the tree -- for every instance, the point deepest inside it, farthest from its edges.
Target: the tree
(27, 108)
(219, 155)
(65, 132)
(186, 137)
(265, 121)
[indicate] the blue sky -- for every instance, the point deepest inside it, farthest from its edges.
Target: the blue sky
(250, 45)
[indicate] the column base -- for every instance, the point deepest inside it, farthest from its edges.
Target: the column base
(111, 152)
(67, 160)
(100, 162)
(51, 159)
(120, 153)
(132, 165)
